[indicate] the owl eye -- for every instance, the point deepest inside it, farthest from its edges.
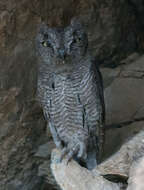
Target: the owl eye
(77, 40)
(46, 44)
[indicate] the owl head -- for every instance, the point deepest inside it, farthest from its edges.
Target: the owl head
(62, 46)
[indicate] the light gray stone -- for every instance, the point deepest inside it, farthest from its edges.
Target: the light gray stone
(131, 58)
(136, 178)
(75, 177)
(124, 95)
(123, 98)
(116, 137)
(109, 75)
(120, 163)
(137, 65)
(140, 113)
(44, 150)
(132, 74)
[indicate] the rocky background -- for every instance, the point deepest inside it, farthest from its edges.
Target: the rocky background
(115, 30)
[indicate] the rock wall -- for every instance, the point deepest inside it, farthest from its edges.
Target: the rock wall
(112, 25)
(112, 28)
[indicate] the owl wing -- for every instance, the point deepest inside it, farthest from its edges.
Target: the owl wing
(99, 85)
(44, 91)
(92, 99)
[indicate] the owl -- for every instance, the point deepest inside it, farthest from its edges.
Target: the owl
(70, 91)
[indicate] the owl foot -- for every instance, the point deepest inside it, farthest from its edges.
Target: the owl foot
(78, 150)
(55, 136)
(76, 147)
(58, 144)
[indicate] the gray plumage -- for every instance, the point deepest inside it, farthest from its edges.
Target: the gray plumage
(71, 93)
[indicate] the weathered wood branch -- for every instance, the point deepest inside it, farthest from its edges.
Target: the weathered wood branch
(75, 177)
(136, 175)
(120, 162)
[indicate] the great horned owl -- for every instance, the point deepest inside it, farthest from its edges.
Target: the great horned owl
(71, 93)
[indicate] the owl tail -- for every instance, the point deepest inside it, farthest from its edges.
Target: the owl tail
(92, 153)
(91, 161)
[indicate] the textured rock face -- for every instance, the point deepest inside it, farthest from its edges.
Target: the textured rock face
(21, 123)
(21, 120)
(111, 27)
(137, 176)
(124, 93)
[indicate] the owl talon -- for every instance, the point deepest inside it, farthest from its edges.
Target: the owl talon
(69, 156)
(82, 151)
(79, 150)
(71, 153)
(64, 152)
(59, 145)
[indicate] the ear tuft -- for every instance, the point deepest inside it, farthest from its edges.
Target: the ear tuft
(42, 27)
(76, 22)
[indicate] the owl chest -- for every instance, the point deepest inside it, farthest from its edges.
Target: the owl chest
(64, 92)
(65, 107)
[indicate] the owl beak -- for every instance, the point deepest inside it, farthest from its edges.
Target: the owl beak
(62, 54)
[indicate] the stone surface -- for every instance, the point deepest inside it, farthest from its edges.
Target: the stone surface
(137, 65)
(21, 120)
(75, 177)
(123, 99)
(44, 154)
(121, 162)
(136, 175)
(44, 150)
(124, 93)
(116, 137)
(109, 75)
(131, 58)
(111, 34)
